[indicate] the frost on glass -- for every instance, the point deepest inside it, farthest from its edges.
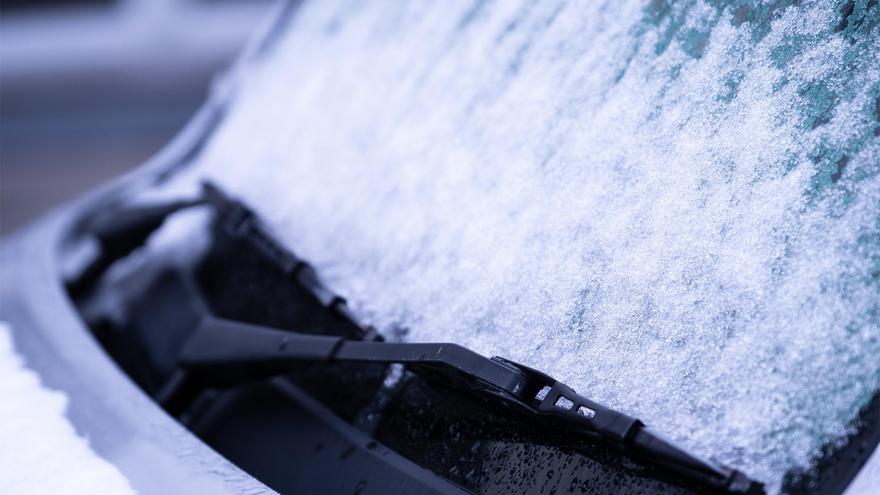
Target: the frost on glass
(673, 207)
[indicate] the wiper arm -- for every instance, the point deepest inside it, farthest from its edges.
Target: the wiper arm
(226, 351)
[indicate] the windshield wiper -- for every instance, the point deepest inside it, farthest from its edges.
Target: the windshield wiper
(225, 352)
(221, 352)
(117, 231)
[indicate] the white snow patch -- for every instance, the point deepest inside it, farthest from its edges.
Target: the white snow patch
(40, 451)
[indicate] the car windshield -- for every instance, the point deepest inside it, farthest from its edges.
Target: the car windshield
(670, 206)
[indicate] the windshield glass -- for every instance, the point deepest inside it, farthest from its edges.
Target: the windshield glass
(672, 207)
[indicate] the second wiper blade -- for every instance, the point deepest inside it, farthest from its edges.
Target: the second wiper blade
(227, 352)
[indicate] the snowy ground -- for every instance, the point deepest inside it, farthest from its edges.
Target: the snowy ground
(40, 451)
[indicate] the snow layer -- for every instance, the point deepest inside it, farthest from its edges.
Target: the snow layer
(672, 208)
(42, 452)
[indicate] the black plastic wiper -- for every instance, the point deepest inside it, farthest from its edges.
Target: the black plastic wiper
(120, 230)
(224, 352)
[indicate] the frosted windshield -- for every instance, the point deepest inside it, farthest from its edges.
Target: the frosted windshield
(674, 209)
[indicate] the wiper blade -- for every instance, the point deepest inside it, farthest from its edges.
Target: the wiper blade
(119, 230)
(224, 352)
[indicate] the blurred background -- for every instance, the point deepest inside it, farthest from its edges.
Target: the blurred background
(91, 88)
